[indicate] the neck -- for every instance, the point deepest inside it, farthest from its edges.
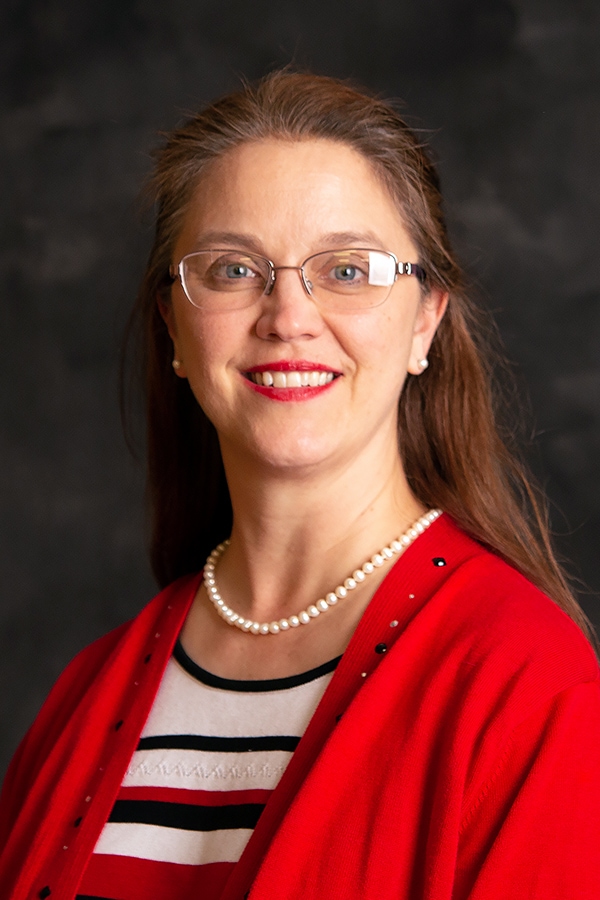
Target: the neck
(297, 535)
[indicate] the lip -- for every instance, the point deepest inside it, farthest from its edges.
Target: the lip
(290, 395)
(293, 365)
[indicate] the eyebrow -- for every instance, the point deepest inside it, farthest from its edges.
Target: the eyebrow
(215, 239)
(241, 240)
(344, 238)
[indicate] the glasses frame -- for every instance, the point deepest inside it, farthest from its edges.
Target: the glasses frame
(402, 268)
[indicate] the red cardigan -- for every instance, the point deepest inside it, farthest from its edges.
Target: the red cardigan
(455, 754)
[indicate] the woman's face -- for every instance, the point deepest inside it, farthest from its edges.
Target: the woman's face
(286, 201)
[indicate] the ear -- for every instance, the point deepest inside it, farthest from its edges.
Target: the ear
(431, 310)
(165, 307)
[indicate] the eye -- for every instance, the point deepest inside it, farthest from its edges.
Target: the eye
(233, 271)
(345, 273)
(238, 270)
(340, 272)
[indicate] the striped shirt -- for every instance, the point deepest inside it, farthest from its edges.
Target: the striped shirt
(211, 752)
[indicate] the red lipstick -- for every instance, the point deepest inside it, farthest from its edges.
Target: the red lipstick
(290, 394)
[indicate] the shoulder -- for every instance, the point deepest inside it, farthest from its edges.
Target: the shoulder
(513, 647)
(82, 671)
(480, 619)
(502, 609)
(91, 667)
(507, 615)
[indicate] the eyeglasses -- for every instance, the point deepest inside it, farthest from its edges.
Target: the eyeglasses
(335, 279)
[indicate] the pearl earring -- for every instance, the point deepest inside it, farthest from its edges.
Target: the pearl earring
(176, 364)
(423, 363)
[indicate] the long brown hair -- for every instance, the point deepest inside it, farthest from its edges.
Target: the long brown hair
(453, 454)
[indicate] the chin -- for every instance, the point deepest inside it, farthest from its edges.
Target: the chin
(293, 453)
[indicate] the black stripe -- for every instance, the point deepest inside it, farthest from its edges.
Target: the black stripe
(186, 816)
(218, 744)
(232, 684)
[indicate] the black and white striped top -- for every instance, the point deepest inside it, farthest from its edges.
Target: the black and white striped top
(210, 754)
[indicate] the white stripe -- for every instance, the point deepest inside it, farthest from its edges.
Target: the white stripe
(183, 705)
(205, 771)
(172, 845)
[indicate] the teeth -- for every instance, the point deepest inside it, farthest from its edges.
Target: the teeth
(292, 379)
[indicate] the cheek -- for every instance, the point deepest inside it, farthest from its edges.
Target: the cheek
(203, 339)
(209, 346)
(382, 344)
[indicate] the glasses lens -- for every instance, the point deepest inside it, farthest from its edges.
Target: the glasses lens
(223, 279)
(350, 279)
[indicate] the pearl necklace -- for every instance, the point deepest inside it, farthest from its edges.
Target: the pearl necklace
(395, 548)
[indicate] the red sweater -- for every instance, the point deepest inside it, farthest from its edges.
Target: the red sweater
(455, 754)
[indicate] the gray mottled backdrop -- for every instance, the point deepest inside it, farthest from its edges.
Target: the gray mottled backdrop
(511, 94)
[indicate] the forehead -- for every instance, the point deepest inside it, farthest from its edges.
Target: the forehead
(294, 191)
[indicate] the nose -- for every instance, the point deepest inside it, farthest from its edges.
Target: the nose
(276, 269)
(288, 312)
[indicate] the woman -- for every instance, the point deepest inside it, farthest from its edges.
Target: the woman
(317, 396)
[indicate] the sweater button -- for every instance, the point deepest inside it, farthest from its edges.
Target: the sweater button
(45, 892)
(438, 561)
(381, 648)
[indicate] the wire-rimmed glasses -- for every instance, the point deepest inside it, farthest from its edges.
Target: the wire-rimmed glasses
(355, 278)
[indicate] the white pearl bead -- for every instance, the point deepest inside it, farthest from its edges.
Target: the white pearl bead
(322, 605)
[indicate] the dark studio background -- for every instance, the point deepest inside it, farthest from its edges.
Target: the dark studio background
(511, 94)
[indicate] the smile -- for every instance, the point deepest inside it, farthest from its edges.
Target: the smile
(293, 379)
